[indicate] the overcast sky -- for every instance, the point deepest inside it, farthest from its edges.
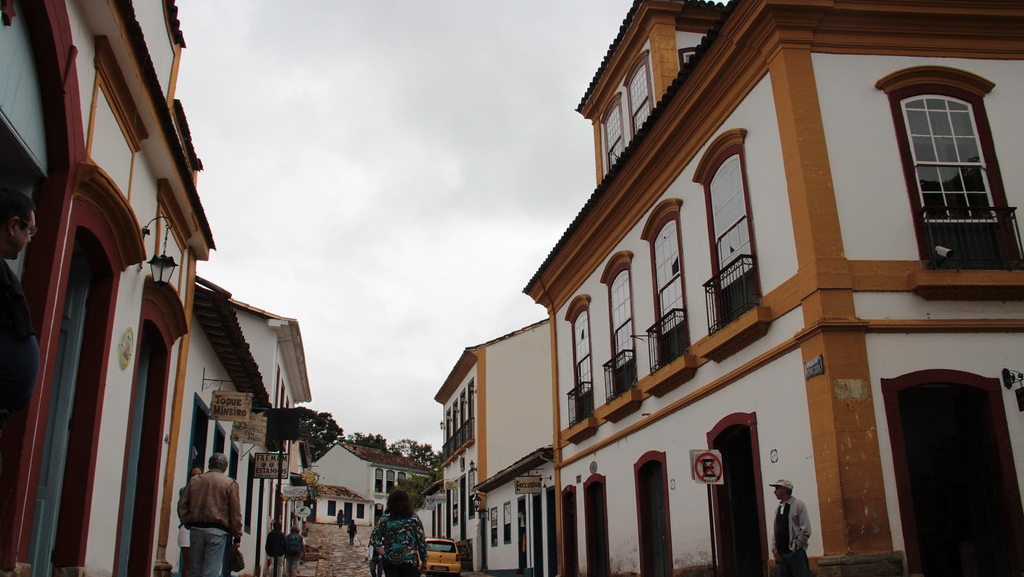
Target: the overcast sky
(391, 174)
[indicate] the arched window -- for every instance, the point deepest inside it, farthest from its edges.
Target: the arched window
(581, 397)
(620, 371)
(668, 339)
(733, 289)
(378, 480)
(613, 137)
(391, 481)
(950, 167)
(639, 91)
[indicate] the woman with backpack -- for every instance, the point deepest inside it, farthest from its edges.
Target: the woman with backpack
(294, 547)
(399, 539)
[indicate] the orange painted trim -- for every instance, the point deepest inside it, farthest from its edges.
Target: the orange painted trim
(724, 141)
(578, 305)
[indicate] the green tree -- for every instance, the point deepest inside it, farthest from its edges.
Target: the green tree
(320, 431)
(373, 441)
(420, 452)
(415, 485)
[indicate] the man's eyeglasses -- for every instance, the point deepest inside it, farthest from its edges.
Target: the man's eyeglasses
(32, 230)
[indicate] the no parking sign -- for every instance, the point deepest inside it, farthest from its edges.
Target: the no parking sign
(706, 466)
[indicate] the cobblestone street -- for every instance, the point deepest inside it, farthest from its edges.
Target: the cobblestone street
(330, 555)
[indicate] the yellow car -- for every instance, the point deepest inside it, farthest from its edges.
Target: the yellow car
(443, 557)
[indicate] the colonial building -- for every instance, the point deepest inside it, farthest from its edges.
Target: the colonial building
(91, 130)
(340, 504)
(367, 472)
(802, 253)
(497, 408)
(237, 348)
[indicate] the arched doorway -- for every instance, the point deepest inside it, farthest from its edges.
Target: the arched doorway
(959, 499)
(653, 515)
(739, 503)
(595, 512)
(570, 543)
(62, 399)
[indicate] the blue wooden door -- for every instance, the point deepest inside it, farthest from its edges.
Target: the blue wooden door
(51, 471)
(134, 444)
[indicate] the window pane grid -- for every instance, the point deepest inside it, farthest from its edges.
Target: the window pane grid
(947, 155)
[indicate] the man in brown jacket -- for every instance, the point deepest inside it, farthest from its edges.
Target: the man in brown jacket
(209, 507)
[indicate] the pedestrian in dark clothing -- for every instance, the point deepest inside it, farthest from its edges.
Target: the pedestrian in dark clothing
(19, 349)
(275, 547)
(351, 531)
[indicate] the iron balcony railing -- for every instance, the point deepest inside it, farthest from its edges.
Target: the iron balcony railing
(667, 339)
(619, 374)
(581, 402)
(982, 237)
(459, 437)
(732, 292)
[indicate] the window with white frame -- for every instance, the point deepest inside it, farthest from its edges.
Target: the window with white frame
(613, 137)
(639, 90)
(378, 480)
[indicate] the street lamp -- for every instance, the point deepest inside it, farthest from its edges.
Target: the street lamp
(161, 265)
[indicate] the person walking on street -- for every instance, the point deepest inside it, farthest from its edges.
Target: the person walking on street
(295, 546)
(19, 349)
(275, 547)
(209, 506)
(792, 531)
(399, 538)
(351, 531)
(184, 534)
(374, 559)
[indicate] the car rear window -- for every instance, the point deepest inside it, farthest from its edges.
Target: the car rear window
(440, 546)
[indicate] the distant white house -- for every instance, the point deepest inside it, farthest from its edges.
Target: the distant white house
(335, 501)
(366, 471)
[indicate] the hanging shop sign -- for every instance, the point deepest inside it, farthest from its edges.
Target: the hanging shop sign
(267, 467)
(230, 406)
(528, 485)
(253, 431)
(295, 493)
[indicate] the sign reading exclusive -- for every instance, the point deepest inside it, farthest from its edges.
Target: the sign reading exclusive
(528, 485)
(230, 406)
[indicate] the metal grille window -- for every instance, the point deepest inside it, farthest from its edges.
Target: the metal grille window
(620, 372)
(668, 339)
(581, 397)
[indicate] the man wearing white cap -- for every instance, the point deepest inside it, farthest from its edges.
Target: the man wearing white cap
(792, 531)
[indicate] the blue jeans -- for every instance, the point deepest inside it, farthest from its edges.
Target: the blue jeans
(794, 564)
(206, 553)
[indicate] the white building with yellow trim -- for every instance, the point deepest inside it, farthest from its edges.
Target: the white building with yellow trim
(497, 409)
(803, 253)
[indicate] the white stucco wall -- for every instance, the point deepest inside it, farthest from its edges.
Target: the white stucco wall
(519, 418)
(871, 193)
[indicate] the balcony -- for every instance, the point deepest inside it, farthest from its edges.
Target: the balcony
(732, 292)
(464, 434)
(581, 403)
(980, 238)
(619, 374)
(667, 339)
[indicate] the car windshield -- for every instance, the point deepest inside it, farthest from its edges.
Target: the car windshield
(441, 546)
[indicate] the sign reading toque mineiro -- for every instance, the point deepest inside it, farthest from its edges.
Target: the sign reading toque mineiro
(254, 431)
(230, 406)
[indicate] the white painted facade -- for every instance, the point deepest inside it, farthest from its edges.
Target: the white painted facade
(905, 334)
(496, 408)
(357, 470)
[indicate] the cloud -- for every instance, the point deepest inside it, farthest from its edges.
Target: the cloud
(391, 175)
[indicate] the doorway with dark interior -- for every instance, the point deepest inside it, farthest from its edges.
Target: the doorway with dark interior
(738, 503)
